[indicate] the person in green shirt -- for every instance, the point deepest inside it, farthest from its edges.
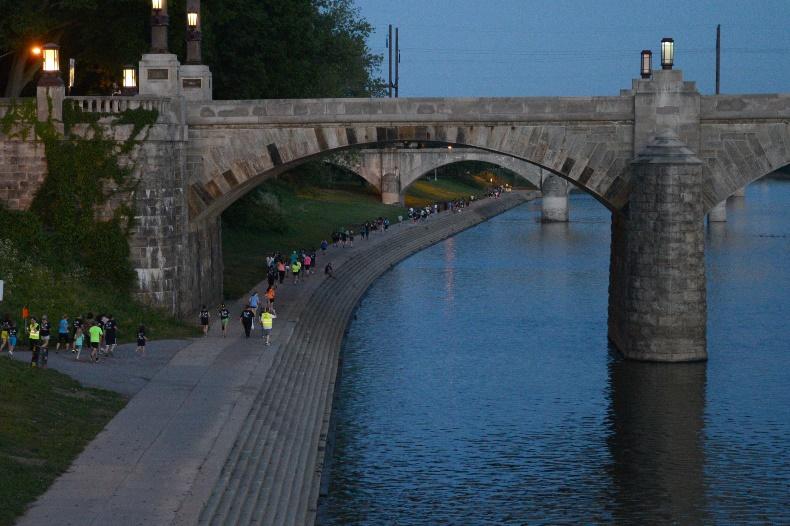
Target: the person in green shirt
(34, 335)
(95, 333)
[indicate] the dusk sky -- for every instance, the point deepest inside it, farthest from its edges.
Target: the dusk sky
(578, 47)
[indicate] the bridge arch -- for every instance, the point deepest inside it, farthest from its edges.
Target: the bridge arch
(227, 162)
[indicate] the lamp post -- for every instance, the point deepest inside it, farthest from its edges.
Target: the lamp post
(667, 53)
(193, 32)
(129, 81)
(646, 68)
(50, 90)
(159, 22)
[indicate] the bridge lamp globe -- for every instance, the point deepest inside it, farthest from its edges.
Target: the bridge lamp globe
(667, 53)
(647, 63)
(192, 20)
(129, 80)
(51, 63)
(156, 5)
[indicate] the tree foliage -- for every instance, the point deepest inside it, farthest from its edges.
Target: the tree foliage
(255, 48)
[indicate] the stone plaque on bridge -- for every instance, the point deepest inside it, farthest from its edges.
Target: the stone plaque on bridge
(192, 83)
(157, 74)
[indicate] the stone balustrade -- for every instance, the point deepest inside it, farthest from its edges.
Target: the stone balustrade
(114, 105)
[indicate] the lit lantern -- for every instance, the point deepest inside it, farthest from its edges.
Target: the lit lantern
(129, 80)
(156, 5)
(192, 20)
(647, 63)
(667, 53)
(51, 58)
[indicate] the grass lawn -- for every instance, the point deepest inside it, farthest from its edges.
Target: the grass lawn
(46, 420)
(426, 192)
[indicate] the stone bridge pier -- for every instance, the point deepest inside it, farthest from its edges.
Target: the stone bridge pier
(555, 191)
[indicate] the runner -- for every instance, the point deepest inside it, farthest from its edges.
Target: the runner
(34, 336)
(95, 334)
(254, 301)
(43, 352)
(204, 319)
(141, 339)
(11, 338)
(281, 270)
(307, 262)
(267, 323)
(110, 336)
(75, 325)
(246, 320)
(63, 334)
(79, 341)
(224, 316)
(296, 267)
(4, 326)
(270, 295)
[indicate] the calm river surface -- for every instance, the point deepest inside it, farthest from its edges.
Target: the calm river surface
(479, 388)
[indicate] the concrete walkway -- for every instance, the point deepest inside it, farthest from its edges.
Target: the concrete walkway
(230, 431)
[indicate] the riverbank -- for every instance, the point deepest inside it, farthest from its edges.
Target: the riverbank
(229, 429)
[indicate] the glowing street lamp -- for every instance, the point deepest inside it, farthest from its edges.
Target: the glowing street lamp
(647, 64)
(35, 51)
(667, 53)
(193, 32)
(156, 5)
(129, 80)
(192, 20)
(51, 64)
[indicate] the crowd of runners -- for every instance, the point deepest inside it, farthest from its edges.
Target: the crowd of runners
(99, 333)
(96, 334)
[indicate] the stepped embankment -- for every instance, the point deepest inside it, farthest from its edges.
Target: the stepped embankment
(230, 431)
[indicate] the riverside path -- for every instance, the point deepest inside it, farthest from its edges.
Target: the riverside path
(232, 432)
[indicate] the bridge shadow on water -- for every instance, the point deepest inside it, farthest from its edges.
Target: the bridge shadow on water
(656, 441)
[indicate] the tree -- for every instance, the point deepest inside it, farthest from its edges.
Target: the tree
(255, 48)
(100, 34)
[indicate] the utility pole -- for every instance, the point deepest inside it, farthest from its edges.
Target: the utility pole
(718, 57)
(389, 47)
(397, 62)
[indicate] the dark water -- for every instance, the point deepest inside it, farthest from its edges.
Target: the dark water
(479, 388)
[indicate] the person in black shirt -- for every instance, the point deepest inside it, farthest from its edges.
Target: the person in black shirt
(12, 337)
(110, 335)
(141, 339)
(204, 318)
(224, 316)
(46, 327)
(246, 320)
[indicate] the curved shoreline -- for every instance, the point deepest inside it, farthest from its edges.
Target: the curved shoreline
(302, 384)
(229, 431)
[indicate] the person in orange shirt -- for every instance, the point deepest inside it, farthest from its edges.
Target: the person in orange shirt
(270, 295)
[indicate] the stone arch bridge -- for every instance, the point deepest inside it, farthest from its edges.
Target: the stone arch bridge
(658, 156)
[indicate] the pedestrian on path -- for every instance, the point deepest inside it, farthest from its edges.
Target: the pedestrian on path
(95, 334)
(296, 267)
(141, 339)
(43, 346)
(246, 318)
(204, 319)
(75, 326)
(281, 270)
(224, 316)
(110, 335)
(271, 294)
(34, 336)
(63, 334)
(5, 325)
(267, 322)
(79, 341)
(255, 301)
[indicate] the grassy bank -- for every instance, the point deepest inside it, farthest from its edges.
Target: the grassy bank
(291, 217)
(47, 420)
(299, 210)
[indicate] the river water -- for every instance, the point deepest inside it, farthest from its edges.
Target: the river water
(478, 386)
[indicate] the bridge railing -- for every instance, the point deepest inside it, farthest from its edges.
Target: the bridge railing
(115, 105)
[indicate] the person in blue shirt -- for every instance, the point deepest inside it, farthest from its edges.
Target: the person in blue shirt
(63, 333)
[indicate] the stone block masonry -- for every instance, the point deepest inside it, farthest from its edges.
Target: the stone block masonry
(23, 167)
